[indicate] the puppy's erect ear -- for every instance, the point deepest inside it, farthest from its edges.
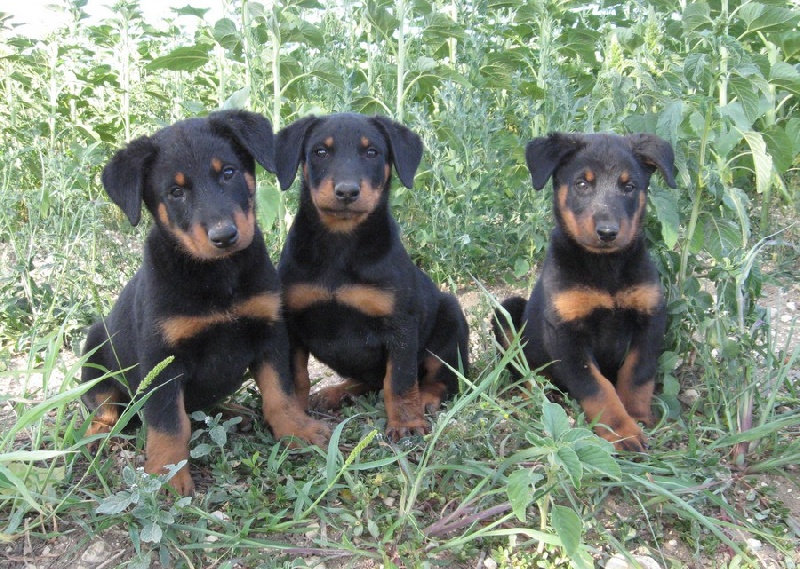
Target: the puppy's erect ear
(544, 155)
(406, 148)
(289, 144)
(125, 175)
(252, 131)
(654, 152)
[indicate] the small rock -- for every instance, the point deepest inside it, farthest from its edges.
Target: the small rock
(791, 305)
(95, 554)
(490, 563)
(690, 395)
(753, 544)
(785, 318)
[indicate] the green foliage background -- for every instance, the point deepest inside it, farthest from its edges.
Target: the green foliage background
(476, 79)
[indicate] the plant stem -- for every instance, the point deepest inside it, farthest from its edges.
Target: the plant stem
(698, 193)
(401, 58)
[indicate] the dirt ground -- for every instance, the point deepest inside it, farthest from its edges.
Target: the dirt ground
(113, 547)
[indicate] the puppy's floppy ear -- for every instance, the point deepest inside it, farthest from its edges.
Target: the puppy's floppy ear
(252, 131)
(125, 175)
(289, 144)
(654, 152)
(543, 155)
(406, 148)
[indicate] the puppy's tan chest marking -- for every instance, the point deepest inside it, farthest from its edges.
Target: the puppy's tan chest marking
(264, 306)
(579, 302)
(367, 299)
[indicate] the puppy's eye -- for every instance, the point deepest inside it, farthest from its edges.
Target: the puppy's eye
(371, 153)
(228, 173)
(321, 152)
(581, 185)
(629, 187)
(176, 193)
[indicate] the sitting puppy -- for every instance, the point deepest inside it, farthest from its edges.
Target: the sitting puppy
(353, 297)
(596, 316)
(206, 292)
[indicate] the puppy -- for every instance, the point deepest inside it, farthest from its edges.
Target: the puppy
(206, 293)
(354, 299)
(596, 316)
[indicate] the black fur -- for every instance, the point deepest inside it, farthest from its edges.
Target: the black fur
(206, 291)
(354, 298)
(598, 301)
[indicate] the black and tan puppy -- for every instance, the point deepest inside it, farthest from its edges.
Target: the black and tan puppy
(353, 297)
(596, 314)
(206, 292)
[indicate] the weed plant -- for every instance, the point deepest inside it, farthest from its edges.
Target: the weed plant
(509, 472)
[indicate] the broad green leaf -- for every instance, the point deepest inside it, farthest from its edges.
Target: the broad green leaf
(793, 132)
(226, 34)
(182, 59)
(191, 11)
(667, 210)
(238, 100)
(599, 458)
(521, 267)
(569, 527)
(572, 464)
(696, 15)
(116, 503)
(762, 161)
(737, 200)
(721, 237)
(151, 533)
(744, 89)
(785, 76)
(519, 491)
(554, 419)
(761, 18)
(669, 121)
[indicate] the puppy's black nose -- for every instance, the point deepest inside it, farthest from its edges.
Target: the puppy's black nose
(223, 235)
(347, 192)
(607, 232)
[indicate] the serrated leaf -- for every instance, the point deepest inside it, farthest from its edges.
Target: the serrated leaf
(554, 419)
(568, 527)
(761, 160)
(598, 458)
(696, 16)
(761, 18)
(746, 93)
(737, 200)
(572, 464)
(669, 121)
(785, 76)
(519, 492)
(182, 59)
(226, 34)
(667, 211)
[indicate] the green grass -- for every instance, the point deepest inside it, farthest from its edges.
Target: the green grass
(506, 474)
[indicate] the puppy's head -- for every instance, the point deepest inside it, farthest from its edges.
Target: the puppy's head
(599, 183)
(197, 179)
(347, 163)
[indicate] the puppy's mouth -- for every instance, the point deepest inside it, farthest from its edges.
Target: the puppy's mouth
(343, 213)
